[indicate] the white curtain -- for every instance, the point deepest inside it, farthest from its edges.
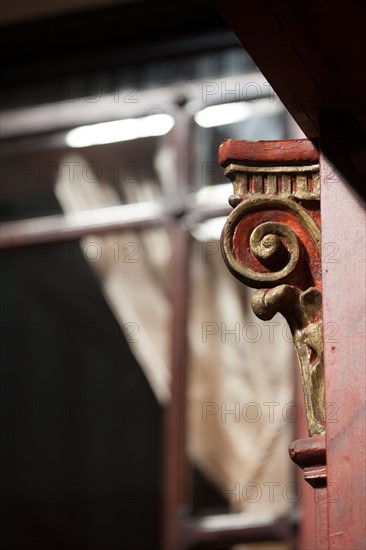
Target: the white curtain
(240, 373)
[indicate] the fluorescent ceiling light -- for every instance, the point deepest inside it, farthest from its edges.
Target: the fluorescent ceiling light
(229, 113)
(218, 115)
(209, 230)
(120, 130)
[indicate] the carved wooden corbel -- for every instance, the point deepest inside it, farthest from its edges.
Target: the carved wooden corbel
(271, 241)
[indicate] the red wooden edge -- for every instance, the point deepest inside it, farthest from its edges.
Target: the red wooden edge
(272, 152)
(310, 455)
(309, 451)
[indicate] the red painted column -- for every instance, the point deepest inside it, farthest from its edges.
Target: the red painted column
(344, 305)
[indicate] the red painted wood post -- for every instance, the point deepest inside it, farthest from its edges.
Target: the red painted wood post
(344, 284)
(175, 469)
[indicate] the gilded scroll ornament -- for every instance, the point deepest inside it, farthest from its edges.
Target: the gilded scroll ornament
(271, 241)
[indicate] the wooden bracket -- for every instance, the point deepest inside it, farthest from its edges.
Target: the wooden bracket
(271, 241)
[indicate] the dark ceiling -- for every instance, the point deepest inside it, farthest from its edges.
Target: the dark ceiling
(113, 36)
